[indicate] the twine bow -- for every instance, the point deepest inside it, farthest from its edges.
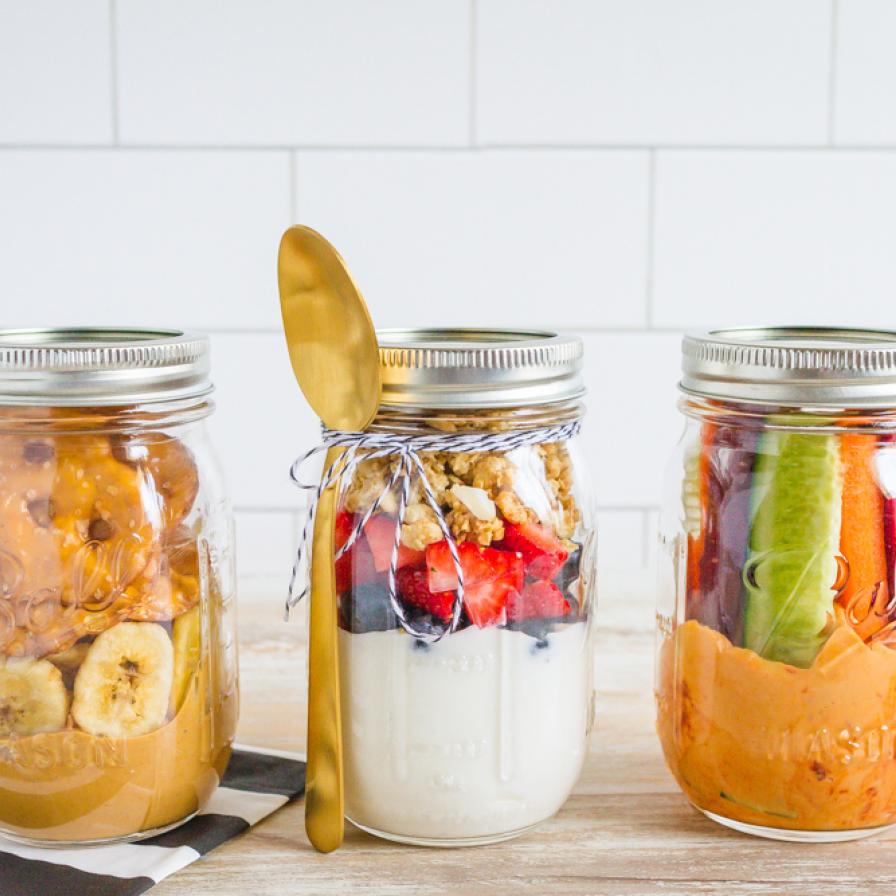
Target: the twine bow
(361, 446)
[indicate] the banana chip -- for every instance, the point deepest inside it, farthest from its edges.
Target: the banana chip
(187, 639)
(33, 698)
(124, 684)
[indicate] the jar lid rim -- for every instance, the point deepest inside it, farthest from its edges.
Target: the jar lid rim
(456, 367)
(101, 365)
(792, 365)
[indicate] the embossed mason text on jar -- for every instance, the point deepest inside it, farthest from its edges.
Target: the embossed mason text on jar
(465, 584)
(776, 670)
(118, 680)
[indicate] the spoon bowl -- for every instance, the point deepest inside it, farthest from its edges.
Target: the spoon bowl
(331, 339)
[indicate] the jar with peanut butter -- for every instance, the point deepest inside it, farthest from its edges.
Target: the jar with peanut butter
(118, 678)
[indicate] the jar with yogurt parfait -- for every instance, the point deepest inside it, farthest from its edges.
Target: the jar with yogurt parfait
(465, 582)
(776, 673)
(118, 679)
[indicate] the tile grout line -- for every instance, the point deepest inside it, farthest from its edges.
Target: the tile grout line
(651, 237)
(474, 75)
(113, 70)
(548, 148)
(832, 71)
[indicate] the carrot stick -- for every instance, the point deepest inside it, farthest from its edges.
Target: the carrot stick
(862, 540)
(697, 544)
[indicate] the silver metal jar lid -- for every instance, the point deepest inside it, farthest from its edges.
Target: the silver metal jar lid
(793, 366)
(101, 366)
(466, 368)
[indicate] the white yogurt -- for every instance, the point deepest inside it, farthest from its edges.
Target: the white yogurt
(474, 738)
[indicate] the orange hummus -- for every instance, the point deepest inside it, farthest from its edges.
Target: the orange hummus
(72, 786)
(766, 743)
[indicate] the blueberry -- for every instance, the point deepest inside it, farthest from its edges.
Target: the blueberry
(538, 629)
(569, 572)
(540, 644)
(424, 622)
(367, 608)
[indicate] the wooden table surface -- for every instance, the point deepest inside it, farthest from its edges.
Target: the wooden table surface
(626, 830)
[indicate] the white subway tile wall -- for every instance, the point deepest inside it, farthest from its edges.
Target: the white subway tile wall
(646, 71)
(507, 238)
(866, 72)
(56, 83)
(796, 236)
(264, 547)
(621, 169)
(142, 237)
(262, 423)
(294, 71)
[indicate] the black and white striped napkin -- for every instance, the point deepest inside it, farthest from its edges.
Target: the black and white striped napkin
(255, 785)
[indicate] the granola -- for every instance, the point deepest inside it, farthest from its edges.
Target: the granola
(465, 526)
(420, 527)
(559, 475)
(492, 472)
(369, 481)
(512, 508)
(434, 467)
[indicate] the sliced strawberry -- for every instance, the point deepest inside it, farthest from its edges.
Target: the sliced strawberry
(543, 553)
(380, 535)
(538, 600)
(413, 587)
(355, 566)
(343, 528)
(485, 602)
(478, 564)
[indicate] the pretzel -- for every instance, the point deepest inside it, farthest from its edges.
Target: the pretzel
(42, 624)
(169, 465)
(175, 590)
(78, 539)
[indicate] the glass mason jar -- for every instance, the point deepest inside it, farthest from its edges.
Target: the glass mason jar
(118, 678)
(481, 734)
(776, 672)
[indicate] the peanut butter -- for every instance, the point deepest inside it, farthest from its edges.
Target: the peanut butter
(72, 786)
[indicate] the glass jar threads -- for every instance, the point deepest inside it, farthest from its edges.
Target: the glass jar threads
(118, 679)
(776, 672)
(465, 588)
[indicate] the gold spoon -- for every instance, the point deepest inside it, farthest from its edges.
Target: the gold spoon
(333, 350)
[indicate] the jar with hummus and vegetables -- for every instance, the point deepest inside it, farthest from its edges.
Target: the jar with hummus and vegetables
(118, 679)
(776, 671)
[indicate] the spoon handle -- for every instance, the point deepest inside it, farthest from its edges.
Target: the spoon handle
(324, 797)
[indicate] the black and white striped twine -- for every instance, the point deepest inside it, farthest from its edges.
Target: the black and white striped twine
(408, 469)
